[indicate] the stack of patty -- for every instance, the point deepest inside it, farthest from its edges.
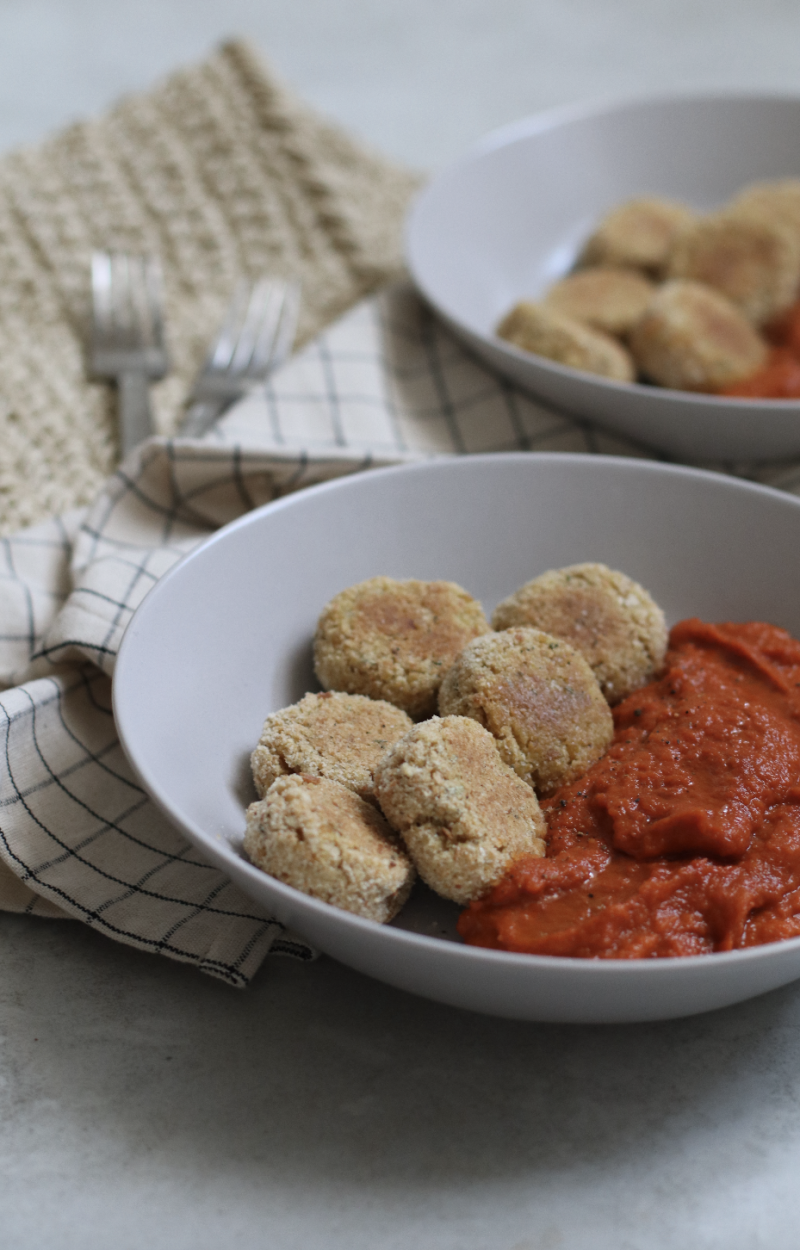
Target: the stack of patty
(356, 798)
(680, 299)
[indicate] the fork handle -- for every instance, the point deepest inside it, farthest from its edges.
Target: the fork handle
(135, 417)
(201, 416)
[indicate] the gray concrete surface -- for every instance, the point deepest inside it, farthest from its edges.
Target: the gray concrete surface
(419, 78)
(146, 1106)
(143, 1105)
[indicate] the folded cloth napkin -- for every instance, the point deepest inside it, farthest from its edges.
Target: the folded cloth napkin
(385, 384)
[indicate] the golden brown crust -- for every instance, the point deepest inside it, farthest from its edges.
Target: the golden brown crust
(338, 736)
(752, 261)
(463, 814)
(548, 333)
(395, 640)
(324, 840)
(637, 235)
(538, 697)
(691, 338)
(608, 299)
(609, 618)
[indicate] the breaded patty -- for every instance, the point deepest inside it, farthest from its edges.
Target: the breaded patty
(324, 840)
(777, 201)
(548, 333)
(614, 623)
(395, 640)
(691, 338)
(463, 814)
(338, 736)
(754, 262)
(637, 235)
(608, 299)
(539, 698)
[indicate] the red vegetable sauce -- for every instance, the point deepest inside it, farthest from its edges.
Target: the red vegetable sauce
(779, 377)
(685, 837)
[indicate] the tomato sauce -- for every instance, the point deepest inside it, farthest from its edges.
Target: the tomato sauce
(779, 376)
(685, 837)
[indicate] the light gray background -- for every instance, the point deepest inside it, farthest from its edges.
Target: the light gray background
(419, 78)
(143, 1105)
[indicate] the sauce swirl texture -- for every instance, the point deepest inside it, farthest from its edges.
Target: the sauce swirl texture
(685, 837)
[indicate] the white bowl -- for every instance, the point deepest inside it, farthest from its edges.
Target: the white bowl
(225, 638)
(508, 219)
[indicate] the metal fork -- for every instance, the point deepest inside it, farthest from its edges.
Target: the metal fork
(255, 337)
(127, 342)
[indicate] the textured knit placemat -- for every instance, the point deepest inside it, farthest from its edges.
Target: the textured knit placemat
(385, 384)
(222, 173)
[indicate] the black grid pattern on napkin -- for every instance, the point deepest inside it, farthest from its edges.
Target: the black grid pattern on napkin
(151, 515)
(34, 582)
(390, 380)
(82, 833)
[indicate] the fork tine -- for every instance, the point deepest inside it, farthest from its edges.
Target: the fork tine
(127, 298)
(287, 326)
(278, 329)
(256, 335)
(127, 341)
(219, 356)
(141, 296)
(136, 303)
(101, 295)
(122, 312)
(271, 313)
(154, 298)
(251, 326)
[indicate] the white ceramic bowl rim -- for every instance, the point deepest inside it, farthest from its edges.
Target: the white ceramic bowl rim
(594, 106)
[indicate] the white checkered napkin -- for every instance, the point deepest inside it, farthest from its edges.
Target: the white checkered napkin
(34, 582)
(83, 835)
(165, 499)
(385, 384)
(389, 381)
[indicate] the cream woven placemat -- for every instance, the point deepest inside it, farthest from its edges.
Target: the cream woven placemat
(222, 172)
